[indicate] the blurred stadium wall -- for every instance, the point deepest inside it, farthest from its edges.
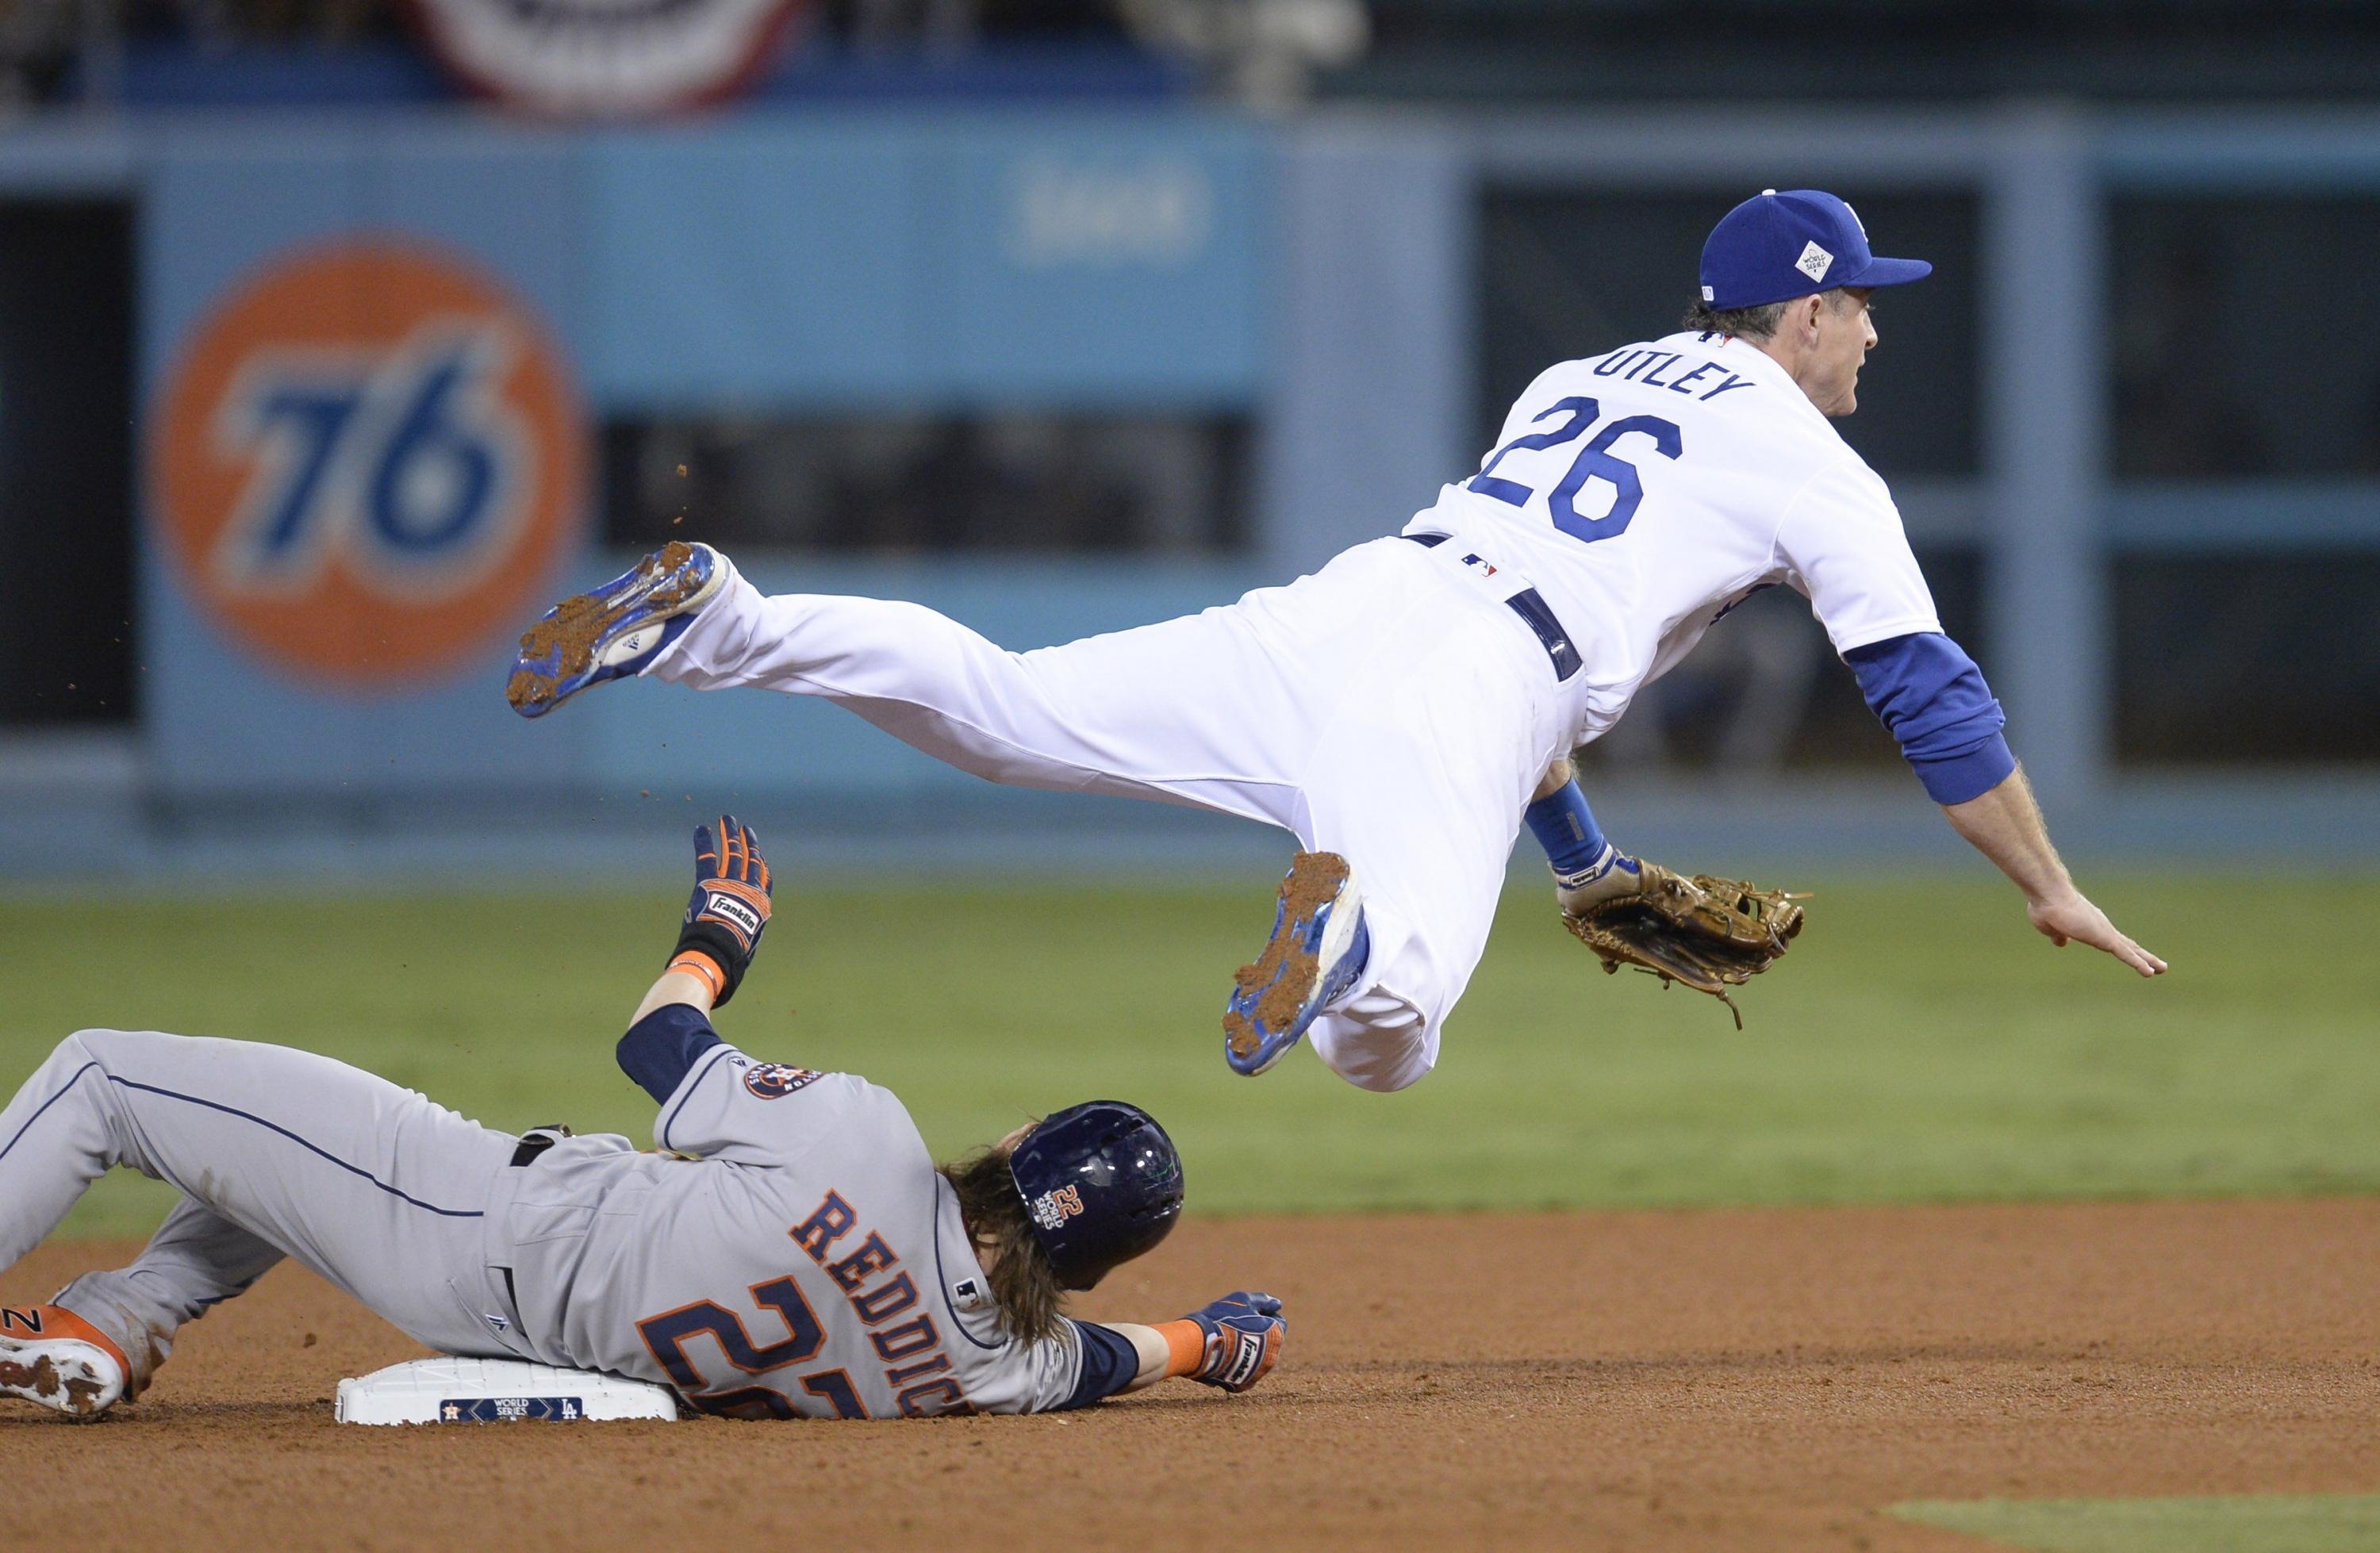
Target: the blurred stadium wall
(318, 381)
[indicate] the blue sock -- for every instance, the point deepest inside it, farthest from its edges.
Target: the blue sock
(1565, 826)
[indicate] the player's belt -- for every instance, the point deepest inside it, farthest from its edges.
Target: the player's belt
(1530, 605)
(536, 1141)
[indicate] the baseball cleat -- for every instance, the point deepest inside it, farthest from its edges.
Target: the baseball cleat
(50, 1355)
(615, 630)
(1318, 949)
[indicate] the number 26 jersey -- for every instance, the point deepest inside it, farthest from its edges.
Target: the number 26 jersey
(1646, 492)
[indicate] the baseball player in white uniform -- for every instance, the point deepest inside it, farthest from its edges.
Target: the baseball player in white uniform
(791, 1249)
(1405, 711)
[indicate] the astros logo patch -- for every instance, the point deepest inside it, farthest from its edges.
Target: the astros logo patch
(365, 462)
(774, 1081)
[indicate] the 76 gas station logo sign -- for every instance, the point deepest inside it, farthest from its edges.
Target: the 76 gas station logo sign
(367, 464)
(406, 462)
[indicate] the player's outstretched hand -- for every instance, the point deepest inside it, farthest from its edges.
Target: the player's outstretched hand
(729, 909)
(2071, 917)
(1245, 1334)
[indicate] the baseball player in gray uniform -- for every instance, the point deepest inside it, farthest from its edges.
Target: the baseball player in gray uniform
(790, 1249)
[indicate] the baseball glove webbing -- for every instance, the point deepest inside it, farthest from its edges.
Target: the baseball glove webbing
(1706, 932)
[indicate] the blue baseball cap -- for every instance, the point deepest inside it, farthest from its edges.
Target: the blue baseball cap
(1775, 247)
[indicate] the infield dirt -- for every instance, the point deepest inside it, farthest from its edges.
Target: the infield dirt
(1741, 1379)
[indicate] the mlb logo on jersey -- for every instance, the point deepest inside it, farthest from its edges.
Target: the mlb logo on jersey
(367, 462)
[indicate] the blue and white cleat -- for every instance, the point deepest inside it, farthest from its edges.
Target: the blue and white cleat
(1319, 947)
(615, 631)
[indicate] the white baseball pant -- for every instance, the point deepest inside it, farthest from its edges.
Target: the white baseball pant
(1389, 707)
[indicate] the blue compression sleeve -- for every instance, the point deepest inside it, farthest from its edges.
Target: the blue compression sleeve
(663, 1047)
(1110, 1363)
(1933, 699)
(1565, 826)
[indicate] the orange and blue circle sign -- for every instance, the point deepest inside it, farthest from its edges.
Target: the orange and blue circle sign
(368, 462)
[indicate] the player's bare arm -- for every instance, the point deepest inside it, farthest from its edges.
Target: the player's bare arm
(2005, 825)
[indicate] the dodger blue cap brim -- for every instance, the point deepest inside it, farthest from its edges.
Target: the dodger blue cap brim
(1889, 271)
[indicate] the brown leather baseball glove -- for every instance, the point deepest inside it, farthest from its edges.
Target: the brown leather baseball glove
(1708, 933)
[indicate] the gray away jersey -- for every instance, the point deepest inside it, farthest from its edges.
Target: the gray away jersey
(808, 1261)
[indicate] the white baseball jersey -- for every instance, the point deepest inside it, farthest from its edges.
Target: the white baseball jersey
(1393, 707)
(1649, 491)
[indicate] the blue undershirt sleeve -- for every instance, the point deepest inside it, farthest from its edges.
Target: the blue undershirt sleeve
(1933, 699)
(1565, 826)
(661, 1049)
(1110, 1363)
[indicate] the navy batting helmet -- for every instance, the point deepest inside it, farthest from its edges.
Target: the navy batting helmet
(1101, 1184)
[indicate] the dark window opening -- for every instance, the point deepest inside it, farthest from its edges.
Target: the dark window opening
(65, 462)
(2246, 658)
(2199, 287)
(1015, 482)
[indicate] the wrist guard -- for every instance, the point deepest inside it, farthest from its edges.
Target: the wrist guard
(729, 908)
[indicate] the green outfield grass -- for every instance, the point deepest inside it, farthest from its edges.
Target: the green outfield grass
(2241, 1523)
(1920, 1043)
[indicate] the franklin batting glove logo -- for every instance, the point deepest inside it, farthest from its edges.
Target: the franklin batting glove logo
(720, 906)
(1247, 1352)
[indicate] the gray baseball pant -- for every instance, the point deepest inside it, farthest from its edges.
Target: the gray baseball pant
(277, 1153)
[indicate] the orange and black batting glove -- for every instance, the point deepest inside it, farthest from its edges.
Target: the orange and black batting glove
(1233, 1343)
(729, 909)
